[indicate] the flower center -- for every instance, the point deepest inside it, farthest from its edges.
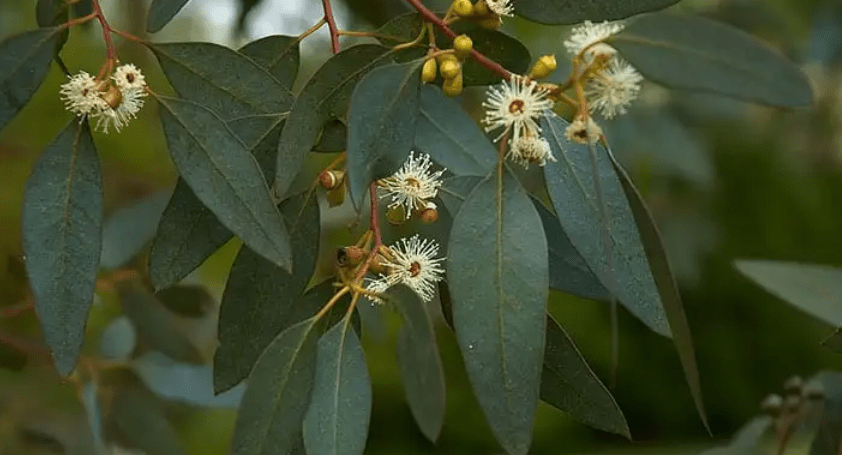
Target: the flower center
(412, 182)
(414, 269)
(130, 78)
(516, 107)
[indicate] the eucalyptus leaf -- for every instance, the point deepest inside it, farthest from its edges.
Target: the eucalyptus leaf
(188, 301)
(161, 12)
(62, 238)
(24, 62)
(225, 177)
(573, 191)
(279, 55)
(694, 53)
(573, 11)
(381, 124)
(130, 229)
(52, 13)
(497, 269)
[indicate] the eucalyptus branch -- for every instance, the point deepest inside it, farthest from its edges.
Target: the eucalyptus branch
(331, 25)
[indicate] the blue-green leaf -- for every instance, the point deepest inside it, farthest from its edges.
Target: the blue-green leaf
(129, 229)
(24, 62)
(498, 274)
(161, 12)
(62, 238)
(225, 177)
(277, 54)
(573, 11)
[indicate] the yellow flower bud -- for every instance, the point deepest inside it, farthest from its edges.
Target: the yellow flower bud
(490, 23)
(449, 57)
(543, 67)
(450, 69)
(453, 87)
(396, 214)
(481, 9)
(463, 8)
(428, 71)
(462, 44)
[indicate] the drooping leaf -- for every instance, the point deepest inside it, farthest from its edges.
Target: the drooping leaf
(24, 62)
(381, 124)
(221, 79)
(336, 422)
(188, 231)
(183, 382)
(262, 299)
(277, 54)
(568, 271)
(129, 229)
(498, 275)
(325, 96)
(694, 53)
(573, 11)
(421, 368)
(667, 287)
(225, 177)
(569, 384)
(497, 46)
(451, 138)
(62, 237)
(278, 393)
(161, 12)
(573, 190)
(814, 289)
(189, 301)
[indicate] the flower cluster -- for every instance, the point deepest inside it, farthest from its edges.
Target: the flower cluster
(412, 262)
(111, 104)
(516, 107)
(413, 185)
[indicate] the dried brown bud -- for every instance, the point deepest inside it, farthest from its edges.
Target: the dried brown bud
(429, 214)
(354, 254)
(331, 179)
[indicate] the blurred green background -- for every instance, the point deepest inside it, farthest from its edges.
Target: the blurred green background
(725, 180)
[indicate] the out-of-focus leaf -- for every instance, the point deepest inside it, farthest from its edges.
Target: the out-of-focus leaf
(573, 12)
(185, 300)
(52, 13)
(421, 368)
(747, 439)
(277, 54)
(336, 421)
(325, 96)
(24, 62)
(573, 191)
(834, 340)
(451, 138)
(261, 299)
(129, 229)
(175, 381)
(569, 384)
(814, 289)
(381, 124)
(11, 358)
(334, 137)
(221, 79)
(827, 440)
(118, 340)
(278, 393)
(667, 287)
(225, 177)
(497, 270)
(694, 53)
(62, 238)
(161, 12)
(94, 414)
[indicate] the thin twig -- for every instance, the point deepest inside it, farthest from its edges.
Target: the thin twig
(331, 25)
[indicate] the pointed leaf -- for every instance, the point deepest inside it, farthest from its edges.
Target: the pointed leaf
(325, 96)
(262, 299)
(497, 271)
(129, 229)
(221, 79)
(451, 138)
(694, 53)
(421, 368)
(569, 384)
(225, 177)
(814, 289)
(667, 287)
(24, 62)
(161, 12)
(381, 124)
(186, 300)
(337, 419)
(52, 13)
(62, 238)
(573, 11)
(278, 393)
(188, 232)
(277, 54)
(573, 190)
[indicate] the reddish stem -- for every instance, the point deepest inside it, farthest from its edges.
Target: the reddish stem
(106, 33)
(429, 16)
(23, 345)
(16, 309)
(331, 25)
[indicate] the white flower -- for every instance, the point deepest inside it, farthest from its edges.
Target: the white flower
(583, 130)
(612, 90)
(414, 264)
(500, 7)
(128, 76)
(530, 149)
(515, 106)
(413, 184)
(81, 95)
(588, 37)
(122, 110)
(377, 286)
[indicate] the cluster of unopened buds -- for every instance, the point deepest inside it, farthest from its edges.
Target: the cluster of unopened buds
(112, 102)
